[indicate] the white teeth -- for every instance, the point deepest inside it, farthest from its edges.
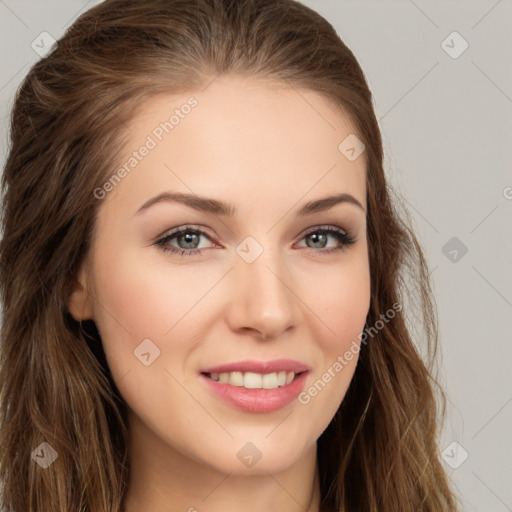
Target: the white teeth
(236, 378)
(251, 380)
(269, 381)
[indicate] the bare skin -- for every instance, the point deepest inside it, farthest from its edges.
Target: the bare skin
(267, 149)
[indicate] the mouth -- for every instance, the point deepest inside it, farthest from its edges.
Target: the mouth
(257, 386)
(252, 380)
(254, 374)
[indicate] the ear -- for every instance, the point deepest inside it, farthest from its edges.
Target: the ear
(80, 303)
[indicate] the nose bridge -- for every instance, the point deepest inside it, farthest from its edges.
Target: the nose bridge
(264, 299)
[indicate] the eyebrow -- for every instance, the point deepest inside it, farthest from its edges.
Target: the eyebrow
(221, 208)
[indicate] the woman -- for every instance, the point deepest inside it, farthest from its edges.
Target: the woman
(203, 275)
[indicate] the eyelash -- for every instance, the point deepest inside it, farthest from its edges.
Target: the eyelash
(344, 237)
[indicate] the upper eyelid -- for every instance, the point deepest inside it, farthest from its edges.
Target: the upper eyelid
(172, 233)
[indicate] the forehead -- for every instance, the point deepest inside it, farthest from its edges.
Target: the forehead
(240, 138)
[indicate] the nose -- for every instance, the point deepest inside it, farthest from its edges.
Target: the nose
(263, 300)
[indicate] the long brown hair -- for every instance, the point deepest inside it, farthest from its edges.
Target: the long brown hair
(380, 451)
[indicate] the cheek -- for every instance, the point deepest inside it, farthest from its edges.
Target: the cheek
(341, 295)
(137, 302)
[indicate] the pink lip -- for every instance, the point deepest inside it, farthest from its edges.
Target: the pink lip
(256, 400)
(278, 365)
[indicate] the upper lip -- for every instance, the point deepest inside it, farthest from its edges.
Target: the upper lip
(263, 367)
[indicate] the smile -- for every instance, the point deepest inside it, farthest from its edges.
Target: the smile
(250, 380)
(256, 386)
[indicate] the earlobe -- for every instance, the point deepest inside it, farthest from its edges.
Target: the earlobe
(79, 301)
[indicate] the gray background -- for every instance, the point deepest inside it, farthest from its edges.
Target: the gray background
(447, 136)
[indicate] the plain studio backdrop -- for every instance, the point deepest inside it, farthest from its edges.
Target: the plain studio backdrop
(441, 76)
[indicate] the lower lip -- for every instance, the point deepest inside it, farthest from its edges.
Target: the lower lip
(257, 400)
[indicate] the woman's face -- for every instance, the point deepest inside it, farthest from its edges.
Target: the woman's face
(267, 285)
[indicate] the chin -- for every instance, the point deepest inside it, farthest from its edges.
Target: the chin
(257, 455)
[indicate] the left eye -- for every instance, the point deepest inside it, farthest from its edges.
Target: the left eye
(191, 236)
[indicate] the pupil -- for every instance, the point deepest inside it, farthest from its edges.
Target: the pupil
(318, 237)
(187, 237)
